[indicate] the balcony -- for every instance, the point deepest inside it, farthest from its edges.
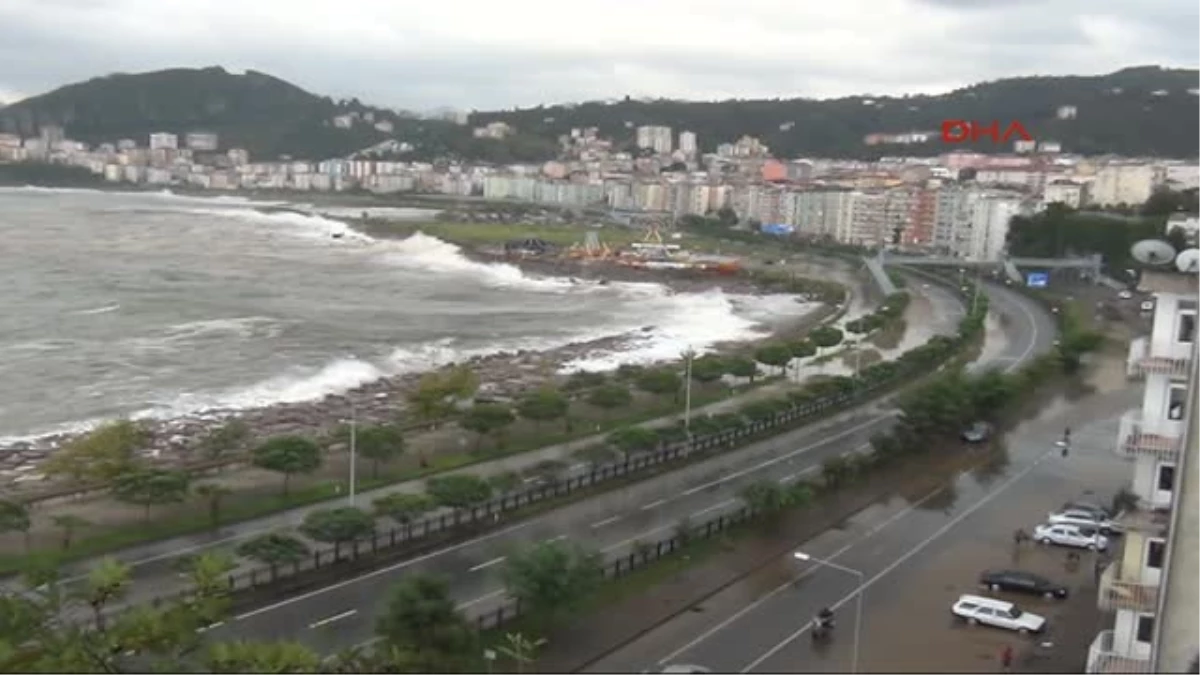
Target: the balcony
(1173, 361)
(1156, 438)
(1117, 592)
(1102, 658)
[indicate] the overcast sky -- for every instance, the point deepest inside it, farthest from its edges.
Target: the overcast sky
(482, 54)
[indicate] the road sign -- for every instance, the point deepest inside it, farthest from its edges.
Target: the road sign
(1037, 279)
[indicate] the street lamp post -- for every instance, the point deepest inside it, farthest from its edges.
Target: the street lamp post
(687, 394)
(858, 595)
(353, 450)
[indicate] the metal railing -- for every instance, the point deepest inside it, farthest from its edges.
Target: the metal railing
(1102, 657)
(1141, 437)
(1144, 359)
(1117, 592)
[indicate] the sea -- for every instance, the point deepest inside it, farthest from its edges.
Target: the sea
(157, 305)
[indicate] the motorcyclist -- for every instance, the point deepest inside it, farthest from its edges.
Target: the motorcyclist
(824, 620)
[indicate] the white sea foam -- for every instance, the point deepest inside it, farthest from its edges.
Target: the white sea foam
(306, 226)
(430, 254)
(98, 310)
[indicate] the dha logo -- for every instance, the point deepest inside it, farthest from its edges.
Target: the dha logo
(963, 131)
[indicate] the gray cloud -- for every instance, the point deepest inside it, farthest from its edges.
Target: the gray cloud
(483, 55)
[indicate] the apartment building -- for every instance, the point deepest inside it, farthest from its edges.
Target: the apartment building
(1123, 183)
(1151, 628)
(655, 138)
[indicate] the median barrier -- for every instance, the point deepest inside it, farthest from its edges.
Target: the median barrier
(266, 581)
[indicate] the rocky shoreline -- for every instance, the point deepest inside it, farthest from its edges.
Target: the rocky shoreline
(502, 375)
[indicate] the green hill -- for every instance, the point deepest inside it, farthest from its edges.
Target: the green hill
(1117, 113)
(264, 114)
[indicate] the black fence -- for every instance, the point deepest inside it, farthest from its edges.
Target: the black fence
(646, 554)
(416, 537)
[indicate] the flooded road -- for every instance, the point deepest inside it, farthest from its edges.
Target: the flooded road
(916, 554)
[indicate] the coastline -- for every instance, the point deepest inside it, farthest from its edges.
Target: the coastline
(502, 375)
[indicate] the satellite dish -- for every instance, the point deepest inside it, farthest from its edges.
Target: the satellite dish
(1153, 252)
(1189, 261)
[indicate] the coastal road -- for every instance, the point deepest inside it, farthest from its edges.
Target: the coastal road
(342, 614)
(915, 559)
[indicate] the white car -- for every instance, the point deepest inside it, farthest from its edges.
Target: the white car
(1124, 295)
(1083, 517)
(1070, 535)
(976, 609)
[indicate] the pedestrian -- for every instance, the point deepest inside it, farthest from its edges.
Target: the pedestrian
(1006, 658)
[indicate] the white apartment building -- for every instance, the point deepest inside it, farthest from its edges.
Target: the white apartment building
(687, 144)
(1063, 192)
(164, 141)
(1123, 183)
(990, 220)
(202, 141)
(1154, 547)
(655, 138)
(954, 214)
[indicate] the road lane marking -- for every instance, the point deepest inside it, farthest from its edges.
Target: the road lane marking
(654, 504)
(383, 570)
(775, 460)
(211, 626)
(476, 601)
(714, 507)
(904, 558)
(336, 617)
(606, 521)
(483, 566)
(791, 582)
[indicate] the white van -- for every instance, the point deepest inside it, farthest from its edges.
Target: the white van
(975, 609)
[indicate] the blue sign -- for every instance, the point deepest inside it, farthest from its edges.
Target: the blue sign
(1037, 279)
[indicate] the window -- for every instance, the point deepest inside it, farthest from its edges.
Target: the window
(1176, 402)
(1145, 628)
(1166, 477)
(1156, 552)
(1186, 330)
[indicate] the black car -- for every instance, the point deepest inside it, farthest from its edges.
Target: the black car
(1017, 581)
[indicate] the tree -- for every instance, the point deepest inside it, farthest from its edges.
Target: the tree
(423, 620)
(727, 216)
(107, 581)
(825, 336)
(740, 366)
(610, 397)
(151, 487)
(380, 443)
(274, 549)
(520, 649)
(226, 438)
(708, 368)
(544, 405)
(765, 496)
(288, 455)
(633, 439)
(552, 578)
(437, 391)
(584, 379)
(14, 517)
(338, 525)
(101, 455)
(69, 523)
(661, 382)
(486, 419)
(458, 491)
(777, 355)
(403, 507)
(214, 494)
(802, 349)
(262, 657)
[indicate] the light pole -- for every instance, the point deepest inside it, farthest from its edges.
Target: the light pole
(353, 450)
(687, 393)
(858, 594)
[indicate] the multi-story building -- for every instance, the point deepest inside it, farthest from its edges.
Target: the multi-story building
(1153, 629)
(990, 219)
(1123, 183)
(1063, 191)
(953, 216)
(687, 144)
(164, 141)
(655, 138)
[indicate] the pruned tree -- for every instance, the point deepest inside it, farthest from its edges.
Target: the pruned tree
(15, 517)
(380, 443)
(403, 507)
(100, 455)
(609, 397)
(422, 622)
(661, 382)
(338, 526)
(544, 405)
(151, 487)
(458, 491)
(552, 578)
(740, 366)
(488, 419)
(224, 439)
(214, 495)
(775, 354)
(274, 549)
(288, 455)
(69, 523)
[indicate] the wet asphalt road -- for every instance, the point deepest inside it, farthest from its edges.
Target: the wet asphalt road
(343, 614)
(915, 559)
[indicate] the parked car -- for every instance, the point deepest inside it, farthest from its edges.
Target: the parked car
(1019, 581)
(1070, 535)
(1125, 295)
(977, 432)
(1083, 518)
(1100, 512)
(976, 609)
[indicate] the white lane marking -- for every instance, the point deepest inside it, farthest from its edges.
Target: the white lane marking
(606, 521)
(336, 617)
(384, 570)
(1033, 330)
(560, 537)
(483, 566)
(904, 558)
(476, 601)
(781, 458)
(791, 582)
(714, 507)
(654, 504)
(211, 626)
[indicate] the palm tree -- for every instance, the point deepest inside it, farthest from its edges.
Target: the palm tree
(213, 493)
(69, 523)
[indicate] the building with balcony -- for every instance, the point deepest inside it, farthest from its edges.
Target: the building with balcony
(1154, 628)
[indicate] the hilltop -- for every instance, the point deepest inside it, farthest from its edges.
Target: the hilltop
(1117, 113)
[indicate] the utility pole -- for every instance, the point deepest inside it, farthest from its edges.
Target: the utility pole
(687, 393)
(353, 449)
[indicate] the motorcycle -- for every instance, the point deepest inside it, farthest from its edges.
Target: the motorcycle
(821, 629)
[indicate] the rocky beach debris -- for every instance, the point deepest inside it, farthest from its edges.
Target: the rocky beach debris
(503, 375)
